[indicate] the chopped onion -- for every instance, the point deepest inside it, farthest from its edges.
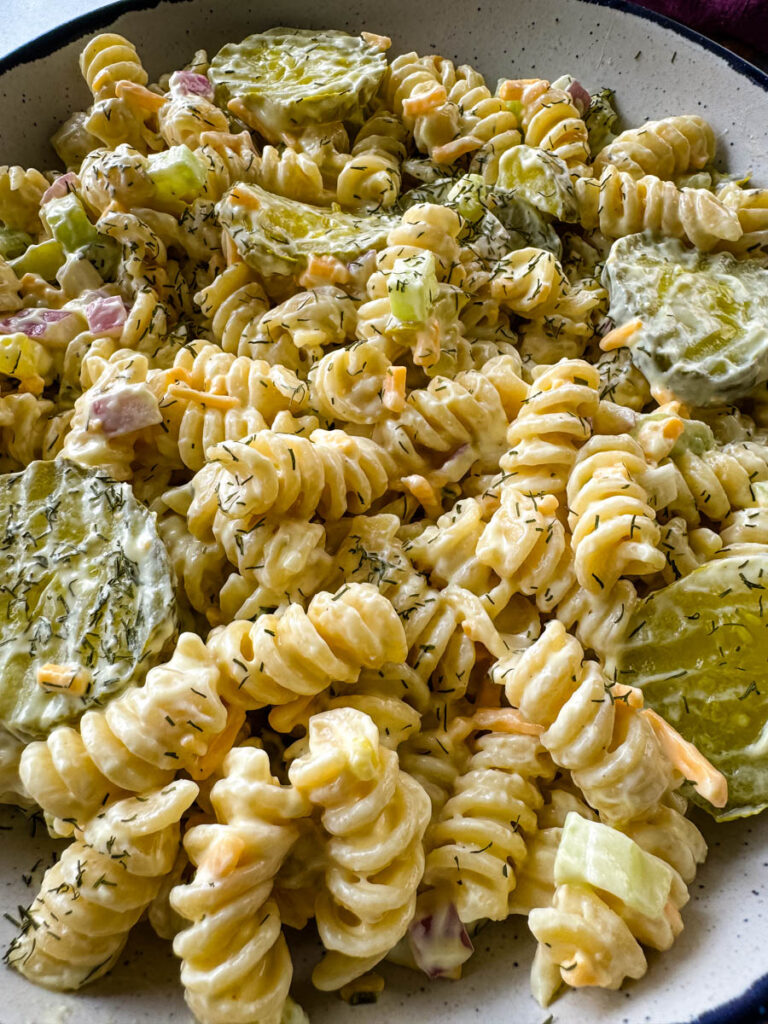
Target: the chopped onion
(439, 941)
(64, 183)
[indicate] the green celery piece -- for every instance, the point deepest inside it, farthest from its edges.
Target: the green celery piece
(704, 333)
(595, 854)
(277, 236)
(698, 649)
(412, 287)
(87, 585)
(177, 174)
(470, 197)
(44, 259)
(69, 223)
(13, 243)
(287, 78)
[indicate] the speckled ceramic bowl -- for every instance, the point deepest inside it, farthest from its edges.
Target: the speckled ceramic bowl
(716, 972)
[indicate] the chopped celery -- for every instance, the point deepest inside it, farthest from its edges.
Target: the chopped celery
(412, 287)
(541, 178)
(470, 197)
(22, 356)
(69, 223)
(605, 858)
(43, 259)
(177, 174)
(13, 243)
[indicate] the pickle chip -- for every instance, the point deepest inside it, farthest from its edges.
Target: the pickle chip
(278, 236)
(285, 78)
(704, 333)
(698, 648)
(86, 594)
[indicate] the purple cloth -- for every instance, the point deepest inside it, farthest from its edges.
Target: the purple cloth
(745, 20)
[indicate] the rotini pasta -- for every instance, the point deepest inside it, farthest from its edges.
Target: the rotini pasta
(608, 745)
(88, 902)
(413, 488)
(374, 815)
(667, 148)
(235, 962)
(620, 205)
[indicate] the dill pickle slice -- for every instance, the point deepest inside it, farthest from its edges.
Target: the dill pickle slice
(287, 77)
(86, 602)
(277, 235)
(698, 648)
(704, 316)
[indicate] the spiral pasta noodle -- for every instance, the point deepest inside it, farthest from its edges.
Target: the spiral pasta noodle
(243, 664)
(370, 180)
(609, 747)
(31, 428)
(751, 207)
(551, 121)
(374, 816)
(235, 961)
(413, 89)
(614, 528)
(328, 473)
(478, 841)
(486, 119)
(234, 303)
(88, 902)
(209, 397)
(550, 427)
(620, 205)
(719, 480)
(108, 59)
(21, 190)
(667, 148)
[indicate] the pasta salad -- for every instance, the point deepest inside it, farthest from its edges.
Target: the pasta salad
(384, 507)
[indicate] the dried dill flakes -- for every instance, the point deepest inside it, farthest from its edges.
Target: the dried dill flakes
(86, 601)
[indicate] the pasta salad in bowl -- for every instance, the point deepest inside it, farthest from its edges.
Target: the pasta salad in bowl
(385, 501)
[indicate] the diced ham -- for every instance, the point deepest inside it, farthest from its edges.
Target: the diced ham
(33, 322)
(188, 83)
(439, 942)
(126, 410)
(106, 316)
(64, 183)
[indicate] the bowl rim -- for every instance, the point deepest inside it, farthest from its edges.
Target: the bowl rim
(73, 29)
(751, 1006)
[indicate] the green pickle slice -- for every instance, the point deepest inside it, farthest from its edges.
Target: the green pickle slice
(277, 236)
(287, 77)
(704, 316)
(698, 648)
(86, 602)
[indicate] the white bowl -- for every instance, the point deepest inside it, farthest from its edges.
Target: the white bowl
(656, 69)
